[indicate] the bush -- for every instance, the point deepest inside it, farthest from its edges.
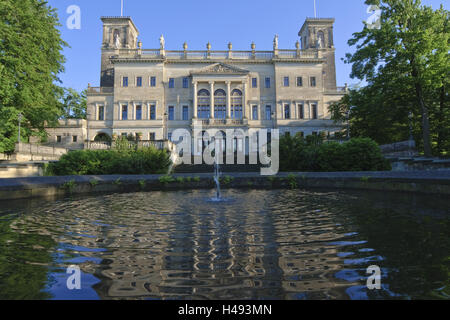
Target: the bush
(107, 162)
(312, 154)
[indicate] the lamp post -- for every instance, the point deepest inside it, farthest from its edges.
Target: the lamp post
(20, 117)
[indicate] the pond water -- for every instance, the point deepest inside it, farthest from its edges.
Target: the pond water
(258, 244)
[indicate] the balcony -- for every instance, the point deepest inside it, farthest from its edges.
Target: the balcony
(100, 90)
(220, 122)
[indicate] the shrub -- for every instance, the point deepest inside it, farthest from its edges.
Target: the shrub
(107, 162)
(312, 154)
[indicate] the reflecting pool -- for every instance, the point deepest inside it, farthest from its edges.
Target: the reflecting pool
(257, 244)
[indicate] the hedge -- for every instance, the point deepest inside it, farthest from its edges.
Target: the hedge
(106, 162)
(313, 155)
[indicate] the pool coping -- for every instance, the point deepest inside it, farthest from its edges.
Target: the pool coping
(426, 182)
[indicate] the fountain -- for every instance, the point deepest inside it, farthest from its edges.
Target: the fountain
(217, 179)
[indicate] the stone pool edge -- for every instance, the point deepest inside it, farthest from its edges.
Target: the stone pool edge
(425, 182)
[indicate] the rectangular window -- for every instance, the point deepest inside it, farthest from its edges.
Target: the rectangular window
(314, 111)
(124, 112)
(286, 81)
(255, 112)
(254, 83)
(152, 136)
(267, 83)
(153, 112)
(58, 139)
(139, 81)
(268, 112)
(301, 111)
(171, 83)
(299, 81)
(185, 83)
(287, 111)
(171, 113)
(124, 135)
(74, 139)
(125, 82)
(185, 113)
(101, 113)
(169, 136)
(138, 112)
(152, 81)
(313, 81)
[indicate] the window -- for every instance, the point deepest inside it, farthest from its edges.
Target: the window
(286, 81)
(75, 139)
(255, 112)
(58, 139)
(185, 113)
(254, 83)
(314, 111)
(171, 83)
(287, 134)
(204, 101)
(152, 136)
(313, 81)
(139, 82)
(125, 82)
(152, 81)
(267, 83)
(287, 111)
(138, 112)
(236, 105)
(101, 113)
(299, 81)
(220, 104)
(268, 112)
(124, 135)
(301, 111)
(124, 112)
(171, 113)
(153, 112)
(185, 83)
(169, 136)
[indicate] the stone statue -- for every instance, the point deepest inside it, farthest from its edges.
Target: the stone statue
(321, 41)
(117, 40)
(162, 42)
(275, 42)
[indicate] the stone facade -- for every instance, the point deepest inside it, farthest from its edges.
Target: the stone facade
(152, 92)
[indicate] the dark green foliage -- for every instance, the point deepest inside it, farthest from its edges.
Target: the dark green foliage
(107, 162)
(406, 66)
(359, 154)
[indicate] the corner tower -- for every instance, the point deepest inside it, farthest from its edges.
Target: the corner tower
(118, 33)
(317, 34)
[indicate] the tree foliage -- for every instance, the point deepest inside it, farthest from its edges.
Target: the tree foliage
(406, 65)
(30, 61)
(73, 104)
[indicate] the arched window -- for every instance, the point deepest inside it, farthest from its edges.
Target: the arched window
(236, 105)
(220, 104)
(203, 104)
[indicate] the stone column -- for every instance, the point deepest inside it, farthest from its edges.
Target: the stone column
(211, 90)
(228, 99)
(244, 103)
(194, 116)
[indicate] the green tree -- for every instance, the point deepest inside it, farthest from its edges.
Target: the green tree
(406, 65)
(73, 104)
(30, 61)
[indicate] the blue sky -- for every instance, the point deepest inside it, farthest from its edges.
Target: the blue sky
(200, 21)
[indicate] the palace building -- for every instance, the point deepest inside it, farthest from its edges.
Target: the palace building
(152, 92)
